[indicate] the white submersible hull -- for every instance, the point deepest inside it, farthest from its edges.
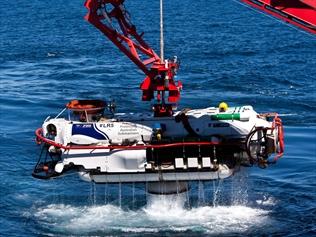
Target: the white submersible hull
(198, 144)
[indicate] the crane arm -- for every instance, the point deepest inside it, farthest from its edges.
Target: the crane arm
(301, 13)
(102, 15)
(113, 20)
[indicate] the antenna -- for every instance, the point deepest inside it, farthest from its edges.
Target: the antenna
(161, 33)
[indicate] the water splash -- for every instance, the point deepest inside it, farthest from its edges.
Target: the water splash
(105, 193)
(93, 193)
(266, 201)
(120, 194)
(239, 187)
(162, 213)
(217, 185)
(133, 195)
(201, 193)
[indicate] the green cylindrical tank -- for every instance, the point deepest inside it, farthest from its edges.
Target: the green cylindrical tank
(225, 117)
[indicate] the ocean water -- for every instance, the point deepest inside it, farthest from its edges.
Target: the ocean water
(50, 55)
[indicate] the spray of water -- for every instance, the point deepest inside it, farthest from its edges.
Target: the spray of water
(214, 207)
(161, 213)
(239, 188)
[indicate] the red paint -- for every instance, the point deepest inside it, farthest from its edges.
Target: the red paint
(277, 124)
(301, 13)
(159, 82)
(40, 137)
(159, 79)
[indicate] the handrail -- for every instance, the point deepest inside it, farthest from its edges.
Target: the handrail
(40, 138)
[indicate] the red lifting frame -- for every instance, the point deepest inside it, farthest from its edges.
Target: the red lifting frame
(160, 75)
(301, 13)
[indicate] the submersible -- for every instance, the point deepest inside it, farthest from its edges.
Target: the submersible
(165, 147)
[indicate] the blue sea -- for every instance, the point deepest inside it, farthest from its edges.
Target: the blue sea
(50, 55)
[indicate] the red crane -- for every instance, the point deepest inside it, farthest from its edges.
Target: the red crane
(113, 20)
(301, 13)
(159, 82)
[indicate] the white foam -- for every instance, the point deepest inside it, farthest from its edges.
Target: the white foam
(161, 214)
(266, 201)
(22, 196)
(51, 54)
